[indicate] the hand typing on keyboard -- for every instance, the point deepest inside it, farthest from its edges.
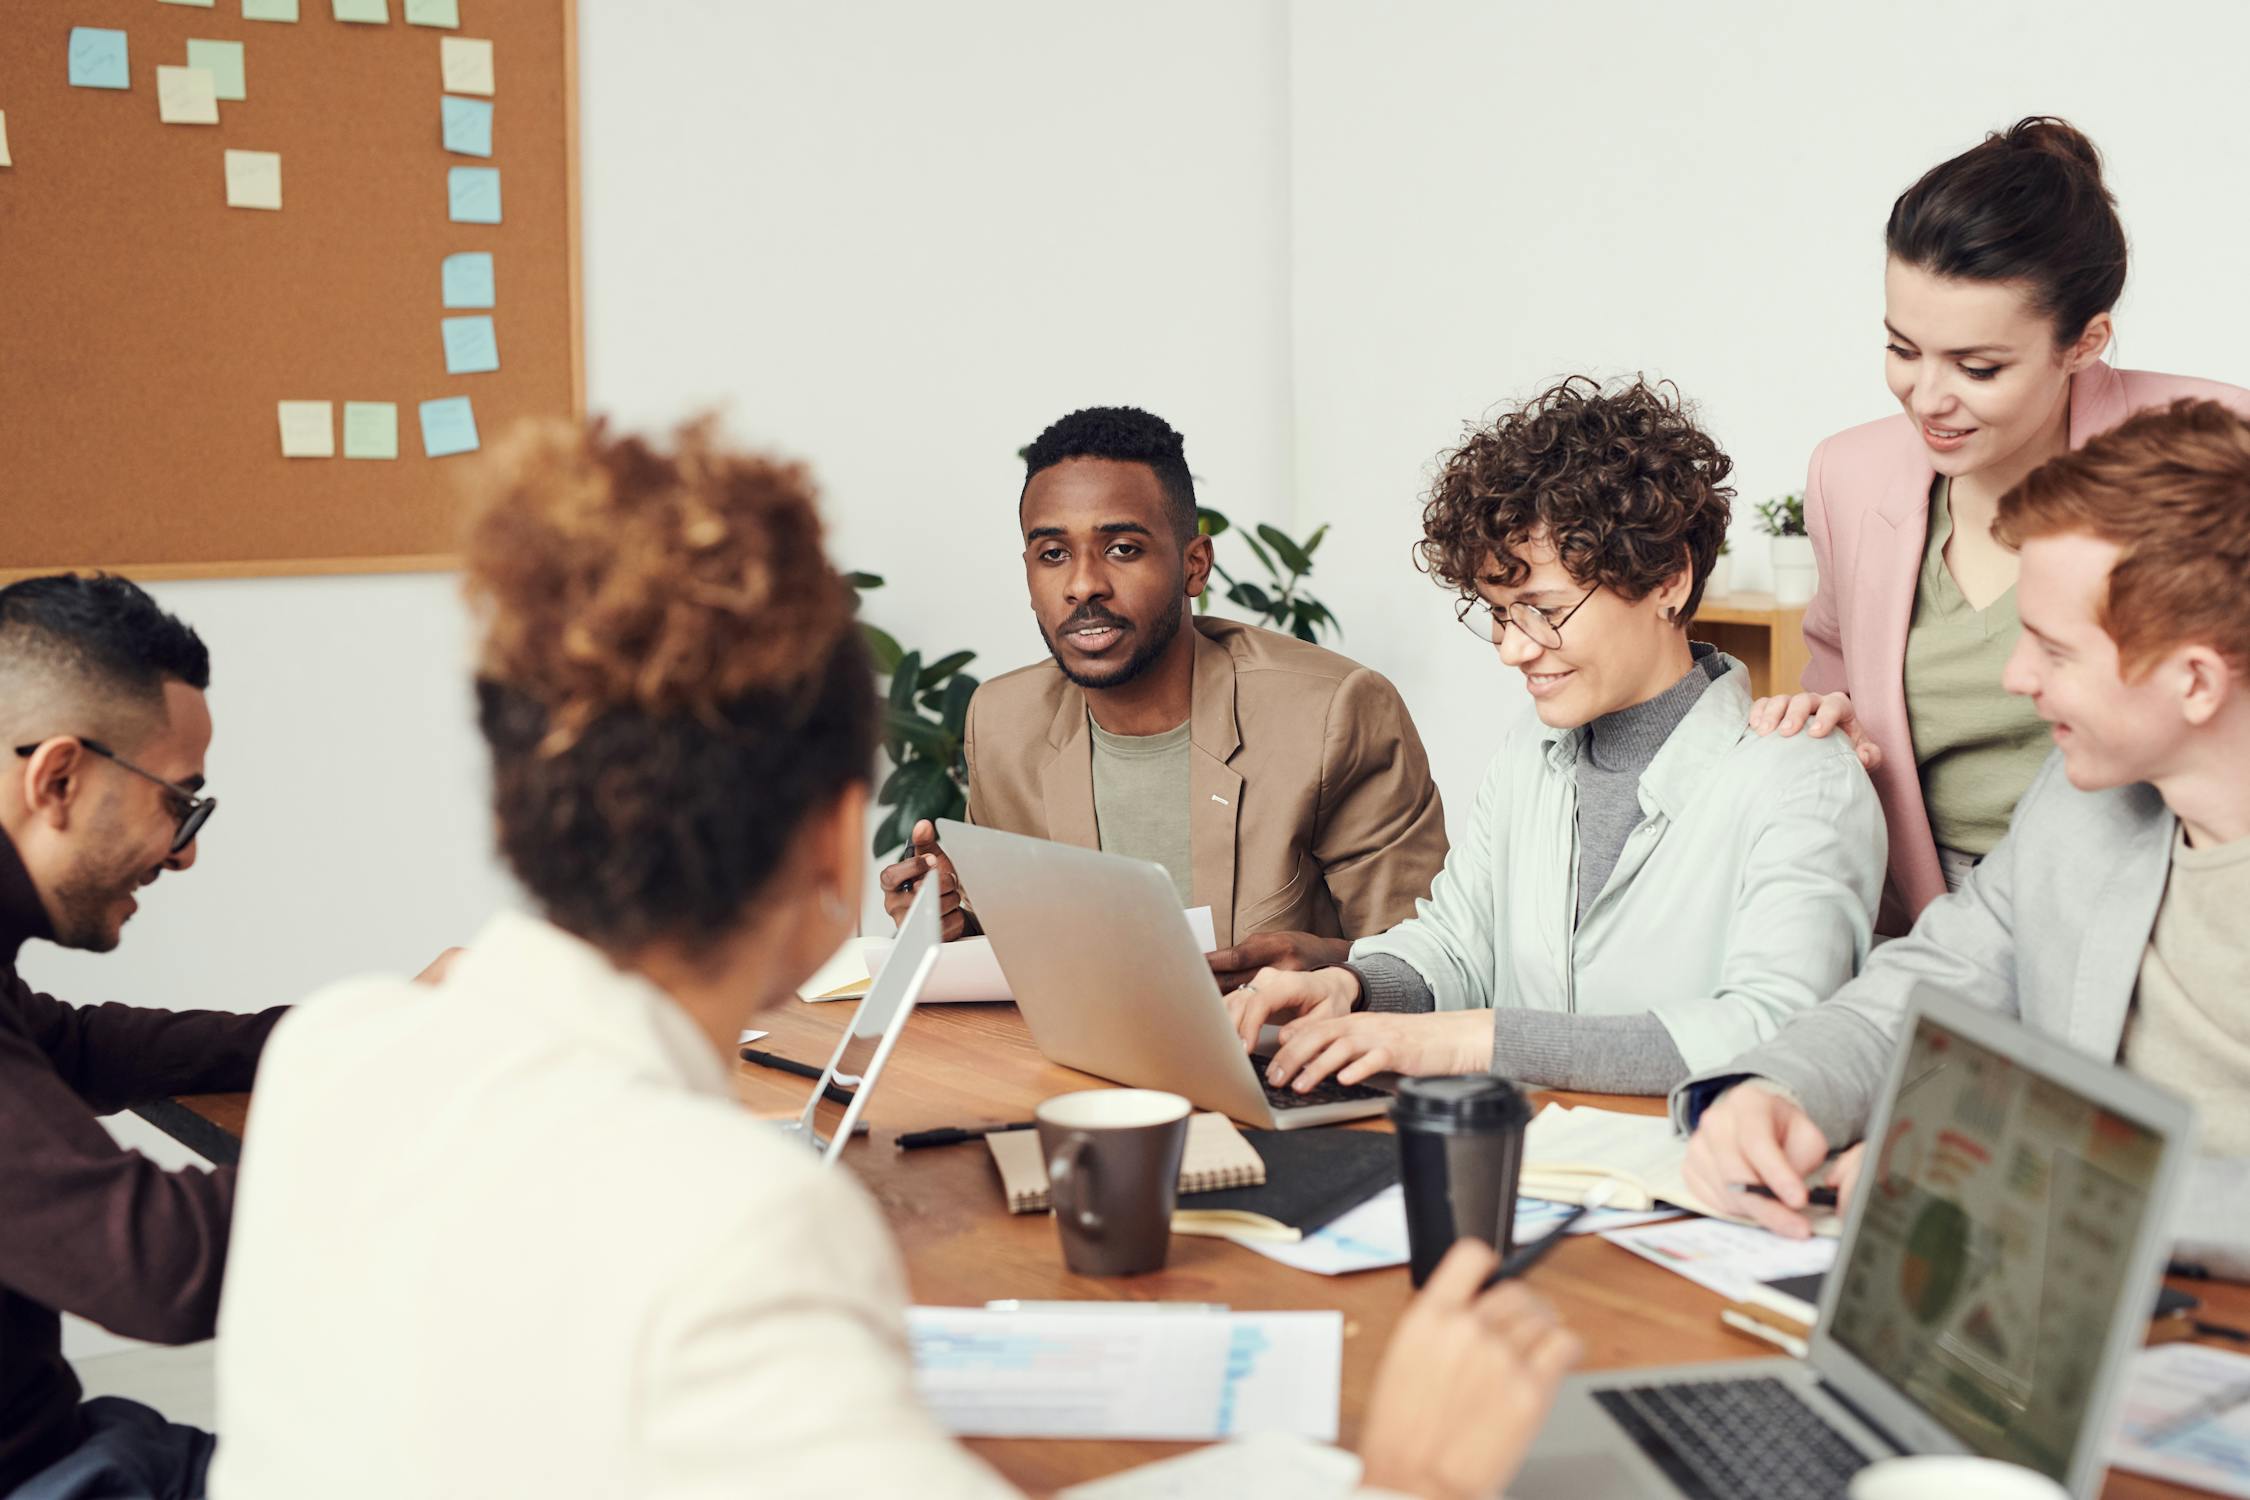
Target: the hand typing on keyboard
(1353, 1049)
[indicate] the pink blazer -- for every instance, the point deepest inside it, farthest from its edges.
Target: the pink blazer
(1867, 508)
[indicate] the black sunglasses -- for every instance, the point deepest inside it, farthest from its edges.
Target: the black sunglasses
(193, 811)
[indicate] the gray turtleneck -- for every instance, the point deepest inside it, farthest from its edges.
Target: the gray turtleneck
(1563, 1049)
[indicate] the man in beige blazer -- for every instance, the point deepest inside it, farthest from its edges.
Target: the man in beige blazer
(1279, 783)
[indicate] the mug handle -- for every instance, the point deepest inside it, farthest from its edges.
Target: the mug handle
(1070, 1185)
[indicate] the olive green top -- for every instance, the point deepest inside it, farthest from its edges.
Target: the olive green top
(1976, 745)
(1141, 799)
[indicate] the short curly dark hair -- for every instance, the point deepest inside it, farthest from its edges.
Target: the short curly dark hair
(1128, 435)
(1624, 483)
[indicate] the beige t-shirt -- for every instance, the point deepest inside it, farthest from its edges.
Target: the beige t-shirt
(1141, 800)
(1976, 745)
(2190, 1026)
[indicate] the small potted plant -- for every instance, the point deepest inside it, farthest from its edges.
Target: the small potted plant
(1794, 575)
(1722, 573)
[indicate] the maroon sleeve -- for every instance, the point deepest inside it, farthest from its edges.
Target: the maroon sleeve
(98, 1230)
(115, 1056)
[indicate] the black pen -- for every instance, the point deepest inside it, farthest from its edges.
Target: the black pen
(781, 1064)
(954, 1135)
(1524, 1257)
(1819, 1197)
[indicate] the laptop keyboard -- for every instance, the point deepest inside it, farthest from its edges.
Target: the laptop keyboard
(1724, 1439)
(1327, 1091)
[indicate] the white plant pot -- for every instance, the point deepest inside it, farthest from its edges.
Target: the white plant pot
(1721, 579)
(1794, 574)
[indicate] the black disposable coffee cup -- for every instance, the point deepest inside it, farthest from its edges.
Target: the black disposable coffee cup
(1460, 1148)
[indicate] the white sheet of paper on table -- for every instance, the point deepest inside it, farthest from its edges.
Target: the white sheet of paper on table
(1267, 1466)
(2166, 1386)
(1372, 1236)
(1726, 1257)
(968, 970)
(1164, 1374)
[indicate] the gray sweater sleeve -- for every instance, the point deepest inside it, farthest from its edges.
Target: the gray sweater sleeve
(1389, 983)
(1600, 1054)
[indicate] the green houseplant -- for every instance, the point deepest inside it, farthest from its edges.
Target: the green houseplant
(925, 714)
(1281, 602)
(1794, 575)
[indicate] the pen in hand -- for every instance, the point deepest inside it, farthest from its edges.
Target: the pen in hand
(1819, 1197)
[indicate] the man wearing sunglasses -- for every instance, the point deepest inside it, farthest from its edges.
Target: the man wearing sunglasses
(1641, 885)
(102, 706)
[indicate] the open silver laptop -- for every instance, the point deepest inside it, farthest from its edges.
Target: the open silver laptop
(1994, 1276)
(866, 1044)
(1112, 982)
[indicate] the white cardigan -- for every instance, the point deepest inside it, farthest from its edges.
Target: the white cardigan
(514, 1237)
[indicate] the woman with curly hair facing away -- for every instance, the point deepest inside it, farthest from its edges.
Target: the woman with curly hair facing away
(519, 1238)
(1644, 884)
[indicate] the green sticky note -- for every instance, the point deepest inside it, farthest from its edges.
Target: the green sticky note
(446, 13)
(97, 59)
(269, 10)
(224, 60)
(370, 429)
(366, 12)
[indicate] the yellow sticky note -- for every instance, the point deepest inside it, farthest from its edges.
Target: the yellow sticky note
(446, 13)
(365, 12)
(370, 429)
(5, 159)
(308, 429)
(187, 96)
(253, 179)
(468, 64)
(269, 10)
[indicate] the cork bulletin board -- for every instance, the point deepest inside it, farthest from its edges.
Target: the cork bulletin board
(150, 333)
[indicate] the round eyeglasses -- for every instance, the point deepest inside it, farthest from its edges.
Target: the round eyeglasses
(1487, 622)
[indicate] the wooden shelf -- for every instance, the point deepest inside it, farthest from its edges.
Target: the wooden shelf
(1766, 637)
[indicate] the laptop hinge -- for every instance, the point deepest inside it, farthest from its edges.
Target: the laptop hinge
(1859, 1415)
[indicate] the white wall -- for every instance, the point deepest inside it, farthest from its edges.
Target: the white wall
(1486, 196)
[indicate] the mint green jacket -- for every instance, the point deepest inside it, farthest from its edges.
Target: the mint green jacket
(1747, 893)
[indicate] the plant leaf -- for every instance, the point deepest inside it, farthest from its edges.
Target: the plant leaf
(862, 582)
(883, 647)
(1312, 543)
(888, 838)
(904, 677)
(1263, 556)
(908, 728)
(1209, 522)
(944, 667)
(1250, 596)
(1285, 549)
(954, 710)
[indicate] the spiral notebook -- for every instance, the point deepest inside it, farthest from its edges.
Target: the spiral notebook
(1216, 1157)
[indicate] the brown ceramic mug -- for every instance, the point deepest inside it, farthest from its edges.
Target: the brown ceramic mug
(1113, 1175)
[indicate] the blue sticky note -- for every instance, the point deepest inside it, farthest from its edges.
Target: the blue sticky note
(97, 59)
(468, 279)
(448, 427)
(472, 195)
(468, 126)
(471, 347)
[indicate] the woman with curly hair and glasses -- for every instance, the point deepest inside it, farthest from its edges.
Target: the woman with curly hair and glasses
(1644, 884)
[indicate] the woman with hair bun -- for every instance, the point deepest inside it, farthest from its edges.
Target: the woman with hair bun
(517, 1236)
(2005, 265)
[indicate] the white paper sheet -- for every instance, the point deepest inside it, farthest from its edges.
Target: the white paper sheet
(1268, 1466)
(968, 970)
(1728, 1258)
(2194, 1402)
(1567, 1150)
(1160, 1374)
(1373, 1235)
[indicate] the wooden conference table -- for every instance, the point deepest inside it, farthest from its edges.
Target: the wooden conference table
(975, 1064)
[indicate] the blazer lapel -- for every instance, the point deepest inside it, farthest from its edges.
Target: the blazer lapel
(2116, 936)
(1067, 782)
(1214, 790)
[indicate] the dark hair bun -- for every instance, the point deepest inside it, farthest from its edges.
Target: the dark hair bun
(2027, 204)
(2053, 137)
(610, 574)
